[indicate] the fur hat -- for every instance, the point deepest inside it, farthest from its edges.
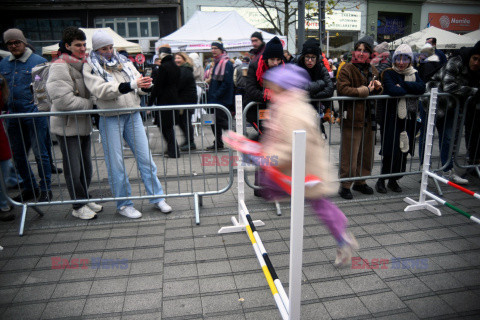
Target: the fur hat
(428, 49)
(14, 34)
(101, 39)
(273, 49)
(311, 46)
(288, 77)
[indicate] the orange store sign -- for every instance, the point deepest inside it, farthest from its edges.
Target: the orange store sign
(455, 22)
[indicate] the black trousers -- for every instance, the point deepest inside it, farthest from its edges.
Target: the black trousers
(167, 124)
(77, 165)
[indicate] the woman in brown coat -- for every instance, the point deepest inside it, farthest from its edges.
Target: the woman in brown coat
(358, 79)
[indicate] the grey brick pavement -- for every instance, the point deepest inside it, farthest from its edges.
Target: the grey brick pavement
(177, 270)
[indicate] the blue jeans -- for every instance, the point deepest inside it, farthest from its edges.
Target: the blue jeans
(445, 138)
(26, 134)
(130, 127)
(5, 167)
(445, 131)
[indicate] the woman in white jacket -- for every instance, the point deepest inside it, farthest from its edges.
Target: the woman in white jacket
(116, 84)
(67, 91)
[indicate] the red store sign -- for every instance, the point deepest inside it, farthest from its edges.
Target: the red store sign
(454, 22)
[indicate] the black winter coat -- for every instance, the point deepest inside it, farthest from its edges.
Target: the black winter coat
(166, 83)
(321, 85)
(394, 125)
(187, 88)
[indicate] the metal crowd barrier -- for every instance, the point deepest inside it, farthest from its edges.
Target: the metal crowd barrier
(333, 135)
(193, 174)
(470, 120)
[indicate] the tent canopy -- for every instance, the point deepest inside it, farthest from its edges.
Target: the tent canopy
(118, 42)
(445, 39)
(205, 27)
(475, 35)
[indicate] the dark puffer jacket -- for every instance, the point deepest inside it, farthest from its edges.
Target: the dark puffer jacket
(187, 88)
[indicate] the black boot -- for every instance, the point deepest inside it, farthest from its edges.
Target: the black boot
(45, 196)
(393, 185)
(26, 195)
(345, 193)
(55, 169)
(380, 186)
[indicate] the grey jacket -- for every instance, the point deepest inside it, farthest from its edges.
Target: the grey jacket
(66, 96)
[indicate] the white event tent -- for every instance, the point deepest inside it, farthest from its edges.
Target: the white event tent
(445, 39)
(205, 27)
(475, 35)
(118, 42)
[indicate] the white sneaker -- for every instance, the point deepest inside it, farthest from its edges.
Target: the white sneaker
(95, 207)
(84, 213)
(163, 206)
(452, 176)
(130, 212)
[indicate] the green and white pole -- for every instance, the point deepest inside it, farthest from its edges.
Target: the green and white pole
(451, 206)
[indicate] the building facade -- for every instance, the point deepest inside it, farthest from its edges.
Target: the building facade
(344, 28)
(455, 16)
(141, 21)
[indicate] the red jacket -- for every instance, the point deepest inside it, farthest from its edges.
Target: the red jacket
(5, 151)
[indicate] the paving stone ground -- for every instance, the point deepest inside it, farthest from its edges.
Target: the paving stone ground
(170, 268)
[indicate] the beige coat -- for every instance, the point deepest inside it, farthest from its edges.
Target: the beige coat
(291, 111)
(61, 91)
(106, 94)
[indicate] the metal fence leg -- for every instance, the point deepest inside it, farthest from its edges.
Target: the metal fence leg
(279, 210)
(439, 189)
(197, 208)
(22, 221)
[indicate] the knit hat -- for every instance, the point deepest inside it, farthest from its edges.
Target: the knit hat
(101, 39)
(288, 77)
(273, 49)
(403, 49)
(428, 49)
(367, 41)
(14, 34)
(257, 35)
(219, 45)
(382, 47)
(311, 46)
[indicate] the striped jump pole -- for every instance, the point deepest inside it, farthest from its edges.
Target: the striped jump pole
(446, 204)
(429, 204)
(273, 281)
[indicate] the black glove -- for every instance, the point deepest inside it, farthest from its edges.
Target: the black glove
(95, 118)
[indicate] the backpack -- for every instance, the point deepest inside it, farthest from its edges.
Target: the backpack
(39, 85)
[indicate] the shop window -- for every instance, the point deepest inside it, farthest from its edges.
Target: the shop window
(132, 27)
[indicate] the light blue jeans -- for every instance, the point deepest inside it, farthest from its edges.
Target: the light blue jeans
(130, 127)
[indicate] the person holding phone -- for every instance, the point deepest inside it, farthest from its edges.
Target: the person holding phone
(116, 84)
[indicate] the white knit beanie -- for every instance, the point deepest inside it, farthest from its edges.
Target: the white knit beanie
(101, 39)
(405, 50)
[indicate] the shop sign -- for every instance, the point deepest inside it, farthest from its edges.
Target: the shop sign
(454, 22)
